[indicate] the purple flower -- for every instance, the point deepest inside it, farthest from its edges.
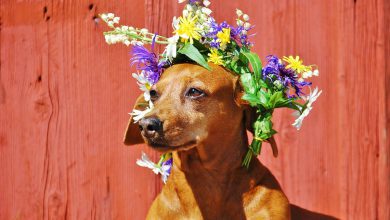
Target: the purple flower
(196, 2)
(214, 29)
(276, 70)
(239, 34)
(168, 163)
(166, 167)
(148, 62)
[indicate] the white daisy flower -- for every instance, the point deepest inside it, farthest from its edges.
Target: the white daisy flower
(140, 114)
(143, 84)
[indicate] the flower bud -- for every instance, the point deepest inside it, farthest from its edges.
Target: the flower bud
(245, 17)
(206, 3)
(240, 23)
(307, 74)
(247, 25)
(278, 84)
(316, 73)
(207, 11)
(144, 31)
(185, 13)
(203, 17)
(107, 38)
(239, 12)
(110, 15)
(189, 8)
(116, 20)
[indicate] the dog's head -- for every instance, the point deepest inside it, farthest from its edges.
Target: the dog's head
(190, 105)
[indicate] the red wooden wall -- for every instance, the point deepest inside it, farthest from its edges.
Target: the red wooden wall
(65, 95)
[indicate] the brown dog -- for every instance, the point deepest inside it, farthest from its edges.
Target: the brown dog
(200, 117)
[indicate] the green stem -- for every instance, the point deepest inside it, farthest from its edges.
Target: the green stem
(138, 37)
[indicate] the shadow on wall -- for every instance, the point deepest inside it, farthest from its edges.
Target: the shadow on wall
(298, 213)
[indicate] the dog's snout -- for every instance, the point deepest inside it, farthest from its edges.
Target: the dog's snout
(150, 125)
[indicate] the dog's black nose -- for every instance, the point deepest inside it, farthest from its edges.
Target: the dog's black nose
(150, 125)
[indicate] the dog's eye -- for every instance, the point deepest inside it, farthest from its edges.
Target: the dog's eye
(194, 93)
(153, 94)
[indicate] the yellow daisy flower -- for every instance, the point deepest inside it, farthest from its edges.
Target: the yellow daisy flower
(296, 64)
(187, 28)
(215, 58)
(224, 36)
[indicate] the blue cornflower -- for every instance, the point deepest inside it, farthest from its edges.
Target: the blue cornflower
(212, 34)
(148, 62)
(276, 70)
(239, 34)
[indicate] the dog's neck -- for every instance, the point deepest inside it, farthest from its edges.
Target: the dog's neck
(213, 168)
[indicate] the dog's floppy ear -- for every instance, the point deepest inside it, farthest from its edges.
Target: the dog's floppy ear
(250, 114)
(133, 134)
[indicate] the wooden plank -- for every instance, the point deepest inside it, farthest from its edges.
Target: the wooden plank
(65, 95)
(384, 151)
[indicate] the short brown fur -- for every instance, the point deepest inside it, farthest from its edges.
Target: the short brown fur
(208, 139)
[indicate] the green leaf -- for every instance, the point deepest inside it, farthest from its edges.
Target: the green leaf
(252, 99)
(263, 96)
(193, 53)
(248, 83)
(276, 98)
(255, 62)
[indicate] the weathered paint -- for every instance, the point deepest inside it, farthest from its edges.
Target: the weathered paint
(65, 95)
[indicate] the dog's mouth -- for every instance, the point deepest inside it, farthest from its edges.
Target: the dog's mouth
(166, 147)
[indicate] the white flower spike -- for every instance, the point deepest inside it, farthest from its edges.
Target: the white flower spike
(146, 162)
(164, 170)
(170, 50)
(310, 100)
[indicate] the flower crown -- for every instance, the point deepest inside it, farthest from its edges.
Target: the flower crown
(198, 38)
